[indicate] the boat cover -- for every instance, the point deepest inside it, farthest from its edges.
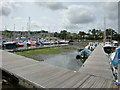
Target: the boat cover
(116, 59)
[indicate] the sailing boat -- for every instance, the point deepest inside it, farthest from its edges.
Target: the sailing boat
(107, 45)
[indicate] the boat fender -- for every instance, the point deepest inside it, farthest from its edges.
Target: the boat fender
(117, 83)
(78, 57)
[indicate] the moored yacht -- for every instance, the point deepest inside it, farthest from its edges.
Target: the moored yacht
(115, 61)
(107, 47)
(114, 45)
(10, 45)
(83, 54)
(21, 44)
(63, 42)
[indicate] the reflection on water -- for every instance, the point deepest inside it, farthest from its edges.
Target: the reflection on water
(67, 60)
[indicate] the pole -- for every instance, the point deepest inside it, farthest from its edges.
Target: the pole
(27, 33)
(29, 25)
(5, 27)
(13, 31)
(104, 29)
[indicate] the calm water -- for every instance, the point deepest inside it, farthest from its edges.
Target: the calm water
(67, 60)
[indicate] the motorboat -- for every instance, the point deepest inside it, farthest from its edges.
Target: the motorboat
(21, 43)
(10, 45)
(83, 54)
(92, 45)
(47, 43)
(107, 47)
(115, 61)
(38, 42)
(116, 57)
(115, 44)
(31, 43)
(63, 42)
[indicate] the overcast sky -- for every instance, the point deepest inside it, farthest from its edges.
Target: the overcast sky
(56, 16)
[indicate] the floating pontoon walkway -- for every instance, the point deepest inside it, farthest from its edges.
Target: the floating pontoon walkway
(97, 64)
(43, 75)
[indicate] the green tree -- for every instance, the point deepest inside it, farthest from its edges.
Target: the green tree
(56, 34)
(63, 34)
(81, 35)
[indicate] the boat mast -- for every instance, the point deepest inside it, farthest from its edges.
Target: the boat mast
(22, 31)
(14, 31)
(5, 27)
(29, 25)
(27, 32)
(14, 27)
(104, 30)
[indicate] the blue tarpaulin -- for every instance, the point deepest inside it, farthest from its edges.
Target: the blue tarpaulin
(116, 59)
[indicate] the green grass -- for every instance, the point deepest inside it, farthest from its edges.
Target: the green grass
(42, 51)
(35, 54)
(40, 54)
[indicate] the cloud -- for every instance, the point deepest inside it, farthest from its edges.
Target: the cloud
(35, 24)
(78, 14)
(24, 22)
(19, 19)
(71, 27)
(6, 7)
(111, 10)
(52, 5)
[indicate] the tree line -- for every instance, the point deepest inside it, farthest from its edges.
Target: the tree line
(92, 34)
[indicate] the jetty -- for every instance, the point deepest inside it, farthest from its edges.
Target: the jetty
(95, 72)
(97, 64)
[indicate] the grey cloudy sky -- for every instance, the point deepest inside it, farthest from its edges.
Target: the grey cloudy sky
(56, 16)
